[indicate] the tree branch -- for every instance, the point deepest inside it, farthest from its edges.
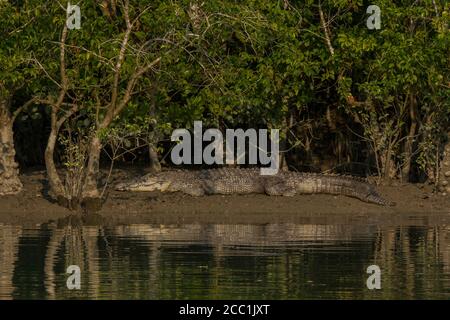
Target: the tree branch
(326, 30)
(121, 56)
(62, 60)
(68, 114)
(131, 84)
(23, 107)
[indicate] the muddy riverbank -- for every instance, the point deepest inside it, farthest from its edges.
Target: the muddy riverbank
(32, 206)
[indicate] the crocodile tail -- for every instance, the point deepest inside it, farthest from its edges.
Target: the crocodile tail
(377, 199)
(341, 185)
(360, 189)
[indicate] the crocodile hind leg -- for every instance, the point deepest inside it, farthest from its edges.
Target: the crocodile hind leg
(275, 186)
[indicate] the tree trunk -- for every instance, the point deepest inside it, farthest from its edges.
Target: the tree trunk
(155, 166)
(388, 165)
(56, 187)
(444, 174)
(406, 168)
(9, 173)
(90, 188)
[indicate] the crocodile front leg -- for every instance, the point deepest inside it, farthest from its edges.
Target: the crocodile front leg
(197, 192)
(194, 187)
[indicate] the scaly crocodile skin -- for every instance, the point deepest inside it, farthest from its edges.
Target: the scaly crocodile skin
(245, 181)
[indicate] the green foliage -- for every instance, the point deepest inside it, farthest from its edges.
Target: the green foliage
(250, 64)
(20, 40)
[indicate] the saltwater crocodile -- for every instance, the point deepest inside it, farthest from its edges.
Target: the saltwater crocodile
(245, 181)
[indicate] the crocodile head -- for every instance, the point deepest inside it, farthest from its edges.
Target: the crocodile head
(150, 182)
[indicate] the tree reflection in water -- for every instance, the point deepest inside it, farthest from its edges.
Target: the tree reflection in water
(275, 261)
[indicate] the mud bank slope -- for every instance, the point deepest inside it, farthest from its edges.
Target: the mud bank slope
(32, 206)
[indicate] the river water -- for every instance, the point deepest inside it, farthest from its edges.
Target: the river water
(226, 261)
